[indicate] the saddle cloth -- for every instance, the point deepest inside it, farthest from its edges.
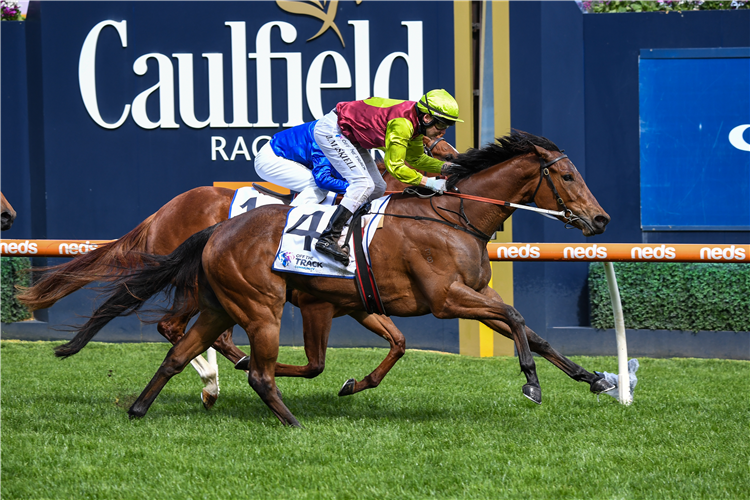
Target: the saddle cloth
(297, 254)
(246, 198)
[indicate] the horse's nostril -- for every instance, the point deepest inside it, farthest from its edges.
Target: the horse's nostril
(601, 220)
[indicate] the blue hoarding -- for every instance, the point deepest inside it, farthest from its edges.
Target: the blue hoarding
(695, 139)
(141, 101)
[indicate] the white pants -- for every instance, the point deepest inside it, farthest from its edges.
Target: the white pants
(288, 174)
(354, 163)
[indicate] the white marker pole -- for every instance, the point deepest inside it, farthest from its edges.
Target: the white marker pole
(623, 382)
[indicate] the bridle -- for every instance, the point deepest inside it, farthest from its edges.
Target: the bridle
(544, 174)
(566, 213)
(428, 149)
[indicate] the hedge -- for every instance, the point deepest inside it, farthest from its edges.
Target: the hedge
(674, 296)
(13, 274)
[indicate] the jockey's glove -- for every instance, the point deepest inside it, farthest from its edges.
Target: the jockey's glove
(437, 185)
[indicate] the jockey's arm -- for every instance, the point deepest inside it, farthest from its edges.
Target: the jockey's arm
(326, 177)
(399, 148)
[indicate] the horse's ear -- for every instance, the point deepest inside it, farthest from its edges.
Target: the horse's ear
(541, 152)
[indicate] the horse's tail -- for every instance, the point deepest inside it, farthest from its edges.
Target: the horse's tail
(103, 263)
(178, 270)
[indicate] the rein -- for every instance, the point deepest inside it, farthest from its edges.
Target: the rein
(544, 173)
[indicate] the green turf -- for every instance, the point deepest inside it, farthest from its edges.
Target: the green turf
(439, 425)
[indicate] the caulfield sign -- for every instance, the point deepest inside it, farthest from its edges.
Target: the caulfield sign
(175, 74)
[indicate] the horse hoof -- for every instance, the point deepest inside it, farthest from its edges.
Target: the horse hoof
(534, 393)
(135, 414)
(601, 385)
(243, 364)
(348, 388)
(208, 399)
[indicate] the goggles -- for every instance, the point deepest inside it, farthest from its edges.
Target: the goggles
(440, 123)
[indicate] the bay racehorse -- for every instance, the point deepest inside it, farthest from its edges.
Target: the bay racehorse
(160, 234)
(429, 257)
(8, 214)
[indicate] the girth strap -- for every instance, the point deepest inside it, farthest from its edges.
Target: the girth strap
(366, 286)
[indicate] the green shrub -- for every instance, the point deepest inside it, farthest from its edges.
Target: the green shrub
(604, 7)
(674, 296)
(13, 273)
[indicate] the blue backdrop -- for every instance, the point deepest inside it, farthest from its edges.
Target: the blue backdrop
(690, 102)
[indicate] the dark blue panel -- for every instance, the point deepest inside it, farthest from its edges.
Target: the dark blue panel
(543, 46)
(118, 177)
(692, 175)
(14, 155)
(613, 43)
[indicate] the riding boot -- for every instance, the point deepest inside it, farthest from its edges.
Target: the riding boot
(328, 242)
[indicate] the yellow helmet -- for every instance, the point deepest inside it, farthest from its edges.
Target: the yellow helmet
(440, 104)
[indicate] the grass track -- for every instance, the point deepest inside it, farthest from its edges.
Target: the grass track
(439, 425)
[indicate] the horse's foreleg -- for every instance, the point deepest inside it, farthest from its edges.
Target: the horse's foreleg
(383, 326)
(201, 335)
(540, 346)
(464, 302)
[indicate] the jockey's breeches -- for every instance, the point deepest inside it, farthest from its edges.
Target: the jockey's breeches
(354, 163)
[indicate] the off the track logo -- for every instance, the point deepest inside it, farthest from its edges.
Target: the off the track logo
(317, 9)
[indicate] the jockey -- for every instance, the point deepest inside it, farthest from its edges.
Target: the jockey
(292, 159)
(346, 133)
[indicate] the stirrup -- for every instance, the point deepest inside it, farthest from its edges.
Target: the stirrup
(331, 249)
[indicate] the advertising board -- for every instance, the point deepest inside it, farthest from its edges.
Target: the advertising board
(145, 100)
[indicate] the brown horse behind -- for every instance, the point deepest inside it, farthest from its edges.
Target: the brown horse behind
(437, 264)
(8, 214)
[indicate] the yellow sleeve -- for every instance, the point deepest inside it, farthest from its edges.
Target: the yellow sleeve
(417, 159)
(399, 148)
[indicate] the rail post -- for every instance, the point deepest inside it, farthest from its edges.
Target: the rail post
(623, 382)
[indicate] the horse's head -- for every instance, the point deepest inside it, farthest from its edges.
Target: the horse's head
(561, 188)
(8, 214)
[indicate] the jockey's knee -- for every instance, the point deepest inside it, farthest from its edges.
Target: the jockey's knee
(379, 187)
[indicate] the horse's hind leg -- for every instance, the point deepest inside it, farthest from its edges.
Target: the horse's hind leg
(201, 335)
(263, 354)
(384, 327)
(174, 328)
(316, 325)
(263, 333)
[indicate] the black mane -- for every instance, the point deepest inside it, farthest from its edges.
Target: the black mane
(475, 160)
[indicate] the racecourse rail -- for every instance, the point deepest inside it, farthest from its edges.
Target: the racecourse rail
(535, 252)
(540, 252)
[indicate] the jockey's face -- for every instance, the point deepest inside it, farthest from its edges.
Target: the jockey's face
(437, 130)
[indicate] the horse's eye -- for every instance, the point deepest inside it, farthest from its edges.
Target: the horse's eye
(567, 177)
